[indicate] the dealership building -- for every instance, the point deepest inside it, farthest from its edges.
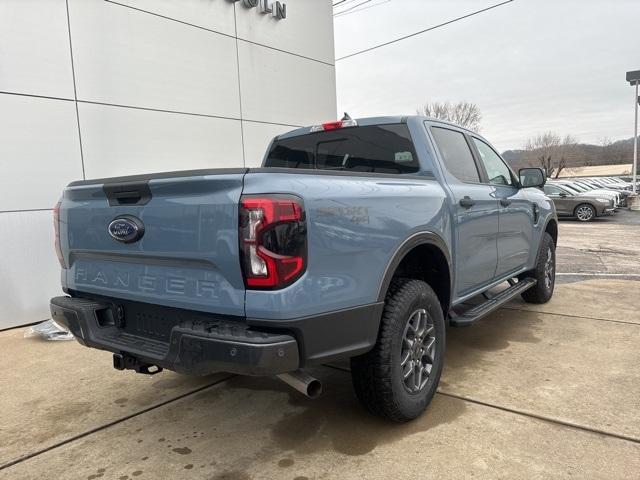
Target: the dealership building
(97, 88)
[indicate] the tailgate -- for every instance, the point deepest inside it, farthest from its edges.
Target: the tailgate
(187, 256)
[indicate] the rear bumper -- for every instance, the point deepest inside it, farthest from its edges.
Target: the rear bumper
(193, 346)
(195, 343)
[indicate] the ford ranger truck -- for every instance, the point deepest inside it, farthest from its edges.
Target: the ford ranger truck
(355, 240)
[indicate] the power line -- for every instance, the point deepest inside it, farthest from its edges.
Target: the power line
(343, 1)
(352, 7)
(340, 14)
(424, 31)
(343, 4)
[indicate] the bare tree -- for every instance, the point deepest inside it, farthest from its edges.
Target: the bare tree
(605, 149)
(552, 152)
(615, 152)
(465, 114)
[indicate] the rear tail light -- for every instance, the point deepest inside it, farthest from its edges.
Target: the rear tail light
(56, 229)
(273, 240)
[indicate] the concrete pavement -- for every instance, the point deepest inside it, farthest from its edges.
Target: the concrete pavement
(578, 371)
(53, 391)
(245, 429)
(608, 247)
(605, 299)
(529, 392)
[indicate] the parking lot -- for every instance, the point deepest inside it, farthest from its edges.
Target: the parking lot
(529, 392)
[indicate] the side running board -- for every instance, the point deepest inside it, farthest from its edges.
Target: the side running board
(491, 304)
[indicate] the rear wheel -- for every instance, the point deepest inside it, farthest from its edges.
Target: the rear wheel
(544, 273)
(398, 378)
(585, 212)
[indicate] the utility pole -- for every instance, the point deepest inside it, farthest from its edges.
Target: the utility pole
(634, 79)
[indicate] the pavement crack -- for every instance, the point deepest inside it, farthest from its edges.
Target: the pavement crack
(110, 424)
(543, 418)
(610, 250)
(572, 316)
(524, 413)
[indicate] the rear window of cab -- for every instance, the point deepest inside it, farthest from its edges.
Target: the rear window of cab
(374, 148)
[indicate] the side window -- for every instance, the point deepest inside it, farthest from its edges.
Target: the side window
(456, 154)
(570, 189)
(497, 170)
(551, 190)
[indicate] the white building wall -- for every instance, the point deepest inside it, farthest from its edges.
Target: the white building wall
(95, 88)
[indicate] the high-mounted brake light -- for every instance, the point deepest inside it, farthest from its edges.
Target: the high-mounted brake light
(346, 121)
(56, 229)
(273, 240)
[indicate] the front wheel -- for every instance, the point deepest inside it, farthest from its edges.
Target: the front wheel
(544, 273)
(398, 378)
(585, 212)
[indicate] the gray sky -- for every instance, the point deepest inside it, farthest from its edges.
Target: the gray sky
(530, 65)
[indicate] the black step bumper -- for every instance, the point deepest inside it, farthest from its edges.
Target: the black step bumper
(194, 346)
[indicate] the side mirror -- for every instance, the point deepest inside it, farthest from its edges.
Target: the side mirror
(532, 177)
(562, 194)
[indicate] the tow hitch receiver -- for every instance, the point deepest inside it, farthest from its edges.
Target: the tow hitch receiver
(127, 362)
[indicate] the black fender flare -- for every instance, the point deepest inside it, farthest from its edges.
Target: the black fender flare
(415, 240)
(550, 218)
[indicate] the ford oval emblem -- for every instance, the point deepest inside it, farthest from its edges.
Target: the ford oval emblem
(126, 229)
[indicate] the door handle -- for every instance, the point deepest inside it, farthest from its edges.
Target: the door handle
(505, 202)
(467, 202)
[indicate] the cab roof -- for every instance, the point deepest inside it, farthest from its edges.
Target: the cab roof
(385, 120)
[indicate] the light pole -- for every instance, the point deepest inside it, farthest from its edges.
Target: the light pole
(634, 79)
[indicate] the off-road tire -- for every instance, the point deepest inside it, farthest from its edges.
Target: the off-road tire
(543, 290)
(377, 375)
(582, 218)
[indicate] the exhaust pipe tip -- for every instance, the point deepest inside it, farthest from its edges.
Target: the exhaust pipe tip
(304, 383)
(314, 389)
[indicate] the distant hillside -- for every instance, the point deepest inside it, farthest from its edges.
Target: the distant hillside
(583, 155)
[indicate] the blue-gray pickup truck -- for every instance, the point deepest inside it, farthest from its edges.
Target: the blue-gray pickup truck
(356, 240)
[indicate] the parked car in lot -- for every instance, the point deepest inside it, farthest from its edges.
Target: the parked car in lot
(624, 190)
(582, 206)
(605, 183)
(581, 188)
(628, 179)
(616, 183)
(355, 240)
(593, 184)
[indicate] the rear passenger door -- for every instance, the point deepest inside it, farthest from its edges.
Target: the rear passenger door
(515, 238)
(475, 211)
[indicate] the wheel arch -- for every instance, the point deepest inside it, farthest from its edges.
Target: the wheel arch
(423, 256)
(551, 228)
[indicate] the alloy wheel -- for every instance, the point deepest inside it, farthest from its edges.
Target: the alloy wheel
(584, 213)
(418, 351)
(549, 270)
